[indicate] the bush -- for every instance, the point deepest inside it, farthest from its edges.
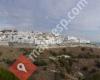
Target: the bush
(97, 64)
(83, 49)
(85, 68)
(40, 63)
(1, 53)
(6, 75)
(53, 53)
(95, 76)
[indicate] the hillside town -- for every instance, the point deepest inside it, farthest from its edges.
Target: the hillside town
(36, 38)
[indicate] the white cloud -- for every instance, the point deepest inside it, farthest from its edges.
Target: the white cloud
(88, 20)
(57, 8)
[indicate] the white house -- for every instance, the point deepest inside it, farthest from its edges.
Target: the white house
(73, 39)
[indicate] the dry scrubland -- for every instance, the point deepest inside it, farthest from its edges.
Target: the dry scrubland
(85, 55)
(9, 55)
(83, 60)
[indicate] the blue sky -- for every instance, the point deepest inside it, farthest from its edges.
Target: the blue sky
(43, 15)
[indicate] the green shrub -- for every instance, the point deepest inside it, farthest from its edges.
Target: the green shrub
(6, 75)
(41, 63)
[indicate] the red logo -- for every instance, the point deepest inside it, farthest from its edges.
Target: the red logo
(23, 68)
